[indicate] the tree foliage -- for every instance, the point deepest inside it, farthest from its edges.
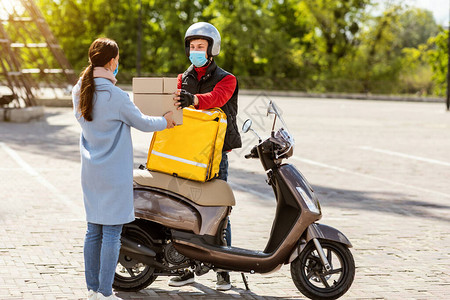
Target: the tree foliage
(437, 56)
(311, 45)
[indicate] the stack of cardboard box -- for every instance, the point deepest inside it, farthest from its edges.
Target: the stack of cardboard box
(154, 96)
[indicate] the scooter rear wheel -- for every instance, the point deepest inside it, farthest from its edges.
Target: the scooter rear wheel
(132, 275)
(314, 281)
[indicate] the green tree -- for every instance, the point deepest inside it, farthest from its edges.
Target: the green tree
(311, 45)
(415, 26)
(77, 23)
(416, 76)
(250, 43)
(333, 38)
(388, 59)
(437, 57)
(164, 26)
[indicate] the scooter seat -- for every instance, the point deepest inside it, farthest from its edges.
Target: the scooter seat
(210, 193)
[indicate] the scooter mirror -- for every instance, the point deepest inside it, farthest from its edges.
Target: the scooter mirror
(247, 125)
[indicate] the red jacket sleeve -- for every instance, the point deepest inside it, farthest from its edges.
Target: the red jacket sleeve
(221, 93)
(179, 81)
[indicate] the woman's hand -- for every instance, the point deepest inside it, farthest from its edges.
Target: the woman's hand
(169, 118)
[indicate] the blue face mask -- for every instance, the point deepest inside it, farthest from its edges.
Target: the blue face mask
(198, 58)
(116, 70)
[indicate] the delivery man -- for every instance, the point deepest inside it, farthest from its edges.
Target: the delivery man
(205, 85)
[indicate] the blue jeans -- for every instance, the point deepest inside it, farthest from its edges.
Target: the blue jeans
(101, 253)
(223, 174)
(223, 167)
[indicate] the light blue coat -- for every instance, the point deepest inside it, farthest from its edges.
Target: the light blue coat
(107, 152)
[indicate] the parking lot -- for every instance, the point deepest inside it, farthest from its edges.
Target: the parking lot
(381, 170)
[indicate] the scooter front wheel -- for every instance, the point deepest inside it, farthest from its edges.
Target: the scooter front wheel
(132, 275)
(314, 281)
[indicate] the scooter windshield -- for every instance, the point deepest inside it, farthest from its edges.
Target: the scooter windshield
(275, 110)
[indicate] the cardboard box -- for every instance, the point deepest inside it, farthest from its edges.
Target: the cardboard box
(154, 85)
(148, 85)
(154, 96)
(158, 105)
(169, 85)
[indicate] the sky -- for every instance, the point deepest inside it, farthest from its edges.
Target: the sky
(439, 8)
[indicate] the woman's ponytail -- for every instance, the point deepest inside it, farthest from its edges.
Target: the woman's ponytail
(101, 52)
(87, 93)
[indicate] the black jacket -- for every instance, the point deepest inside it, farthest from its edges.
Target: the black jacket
(213, 75)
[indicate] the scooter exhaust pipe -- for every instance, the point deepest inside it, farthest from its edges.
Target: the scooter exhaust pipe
(134, 247)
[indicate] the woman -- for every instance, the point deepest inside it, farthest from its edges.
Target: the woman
(105, 114)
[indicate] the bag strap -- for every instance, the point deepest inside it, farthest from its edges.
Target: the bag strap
(209, 109)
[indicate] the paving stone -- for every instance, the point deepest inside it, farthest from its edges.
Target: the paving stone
(395, 210)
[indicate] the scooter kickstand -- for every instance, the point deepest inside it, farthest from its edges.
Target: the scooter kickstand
(245, 282)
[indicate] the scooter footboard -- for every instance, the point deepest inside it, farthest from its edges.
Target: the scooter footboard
(319, 231)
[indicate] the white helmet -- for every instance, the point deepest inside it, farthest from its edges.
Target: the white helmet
(203, 30)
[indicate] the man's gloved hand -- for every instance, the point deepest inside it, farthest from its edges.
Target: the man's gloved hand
(186, 99)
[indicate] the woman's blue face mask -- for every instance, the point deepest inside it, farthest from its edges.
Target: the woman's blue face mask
(198, 58)
(116, 70)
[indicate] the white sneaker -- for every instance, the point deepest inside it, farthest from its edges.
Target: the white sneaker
(112, 297)
(223, 281)
(92, 295)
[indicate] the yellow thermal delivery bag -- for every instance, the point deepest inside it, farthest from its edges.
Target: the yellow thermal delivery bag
(192, 150)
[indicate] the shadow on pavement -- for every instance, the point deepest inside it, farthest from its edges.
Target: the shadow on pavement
(382, 201)
(41, 138)
(203, 292)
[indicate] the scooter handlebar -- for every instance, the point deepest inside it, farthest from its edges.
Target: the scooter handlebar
(253, 153)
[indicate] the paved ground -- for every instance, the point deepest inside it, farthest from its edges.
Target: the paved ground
(381, 170)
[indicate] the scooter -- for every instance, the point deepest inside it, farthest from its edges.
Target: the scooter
(181, 224)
